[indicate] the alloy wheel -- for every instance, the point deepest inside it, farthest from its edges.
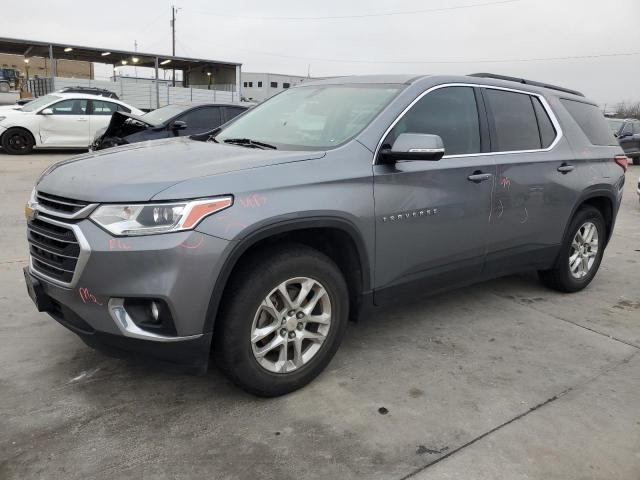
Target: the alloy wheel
(584, 250)
(290, 325)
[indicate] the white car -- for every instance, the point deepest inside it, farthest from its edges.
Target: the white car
(57, 120)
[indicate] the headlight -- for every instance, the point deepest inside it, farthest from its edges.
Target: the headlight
(150, 218)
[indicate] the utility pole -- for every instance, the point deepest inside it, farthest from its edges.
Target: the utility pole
(135, 49)
(173, 40)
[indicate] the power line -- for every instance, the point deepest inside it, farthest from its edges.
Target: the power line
(365, 15)
(433, 62)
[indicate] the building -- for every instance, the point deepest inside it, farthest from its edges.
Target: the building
(53, 66)
(260, 86)
(41, 66)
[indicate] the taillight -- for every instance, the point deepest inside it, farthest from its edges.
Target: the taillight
(622, 160)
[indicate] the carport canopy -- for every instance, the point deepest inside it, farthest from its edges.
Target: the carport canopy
(63, 51)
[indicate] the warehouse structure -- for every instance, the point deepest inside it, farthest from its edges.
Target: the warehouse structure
(202, 79)
(260, 86)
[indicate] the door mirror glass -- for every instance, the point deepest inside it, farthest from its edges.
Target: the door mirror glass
(178, 125)
(414, 146)
(47, 111)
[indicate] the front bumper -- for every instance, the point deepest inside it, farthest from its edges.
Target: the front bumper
(179, 269)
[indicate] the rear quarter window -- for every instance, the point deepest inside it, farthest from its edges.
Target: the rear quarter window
(591, 121)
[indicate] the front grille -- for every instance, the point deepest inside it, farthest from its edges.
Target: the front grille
(54, 249)
(59, 204)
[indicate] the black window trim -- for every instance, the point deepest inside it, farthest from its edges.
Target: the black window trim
(543, 101)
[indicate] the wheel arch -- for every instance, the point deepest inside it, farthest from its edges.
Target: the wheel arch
(356, 270)
(604, 200)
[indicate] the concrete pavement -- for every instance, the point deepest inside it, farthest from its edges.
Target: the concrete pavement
(500, 380)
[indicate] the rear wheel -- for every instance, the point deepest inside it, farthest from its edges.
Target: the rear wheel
(17, 141)
(580, 254)
(284, 320)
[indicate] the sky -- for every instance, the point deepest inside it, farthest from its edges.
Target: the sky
(535, 39)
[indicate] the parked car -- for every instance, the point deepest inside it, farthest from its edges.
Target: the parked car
(23, 101)
(60, 120)
(102, 92)
(627, 131)
(263, 239)
(169, 121)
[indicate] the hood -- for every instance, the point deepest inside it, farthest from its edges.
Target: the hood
(137, 172)
(5, 108)
(119, 127)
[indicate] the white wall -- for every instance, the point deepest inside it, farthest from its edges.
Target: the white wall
(142, 93)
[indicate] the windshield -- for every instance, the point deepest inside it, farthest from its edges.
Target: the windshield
(39, 102)
(615, 125)
(311, 117)
(162, 114)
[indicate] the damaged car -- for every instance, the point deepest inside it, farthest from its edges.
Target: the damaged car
(170, 121)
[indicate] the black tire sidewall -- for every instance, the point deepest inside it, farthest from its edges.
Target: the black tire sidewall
(7, 135)
(586, 214)
(233, 331)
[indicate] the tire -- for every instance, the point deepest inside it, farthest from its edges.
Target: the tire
(4, 87)
(246, 309)
(560, 276)
(17, 141)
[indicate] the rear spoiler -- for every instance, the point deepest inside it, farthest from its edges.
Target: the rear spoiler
(526, 82)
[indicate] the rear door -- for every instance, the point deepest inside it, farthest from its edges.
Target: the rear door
(532, 198)
(67, 126)
(432, 218)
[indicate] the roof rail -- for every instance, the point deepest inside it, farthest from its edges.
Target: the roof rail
(526, 82)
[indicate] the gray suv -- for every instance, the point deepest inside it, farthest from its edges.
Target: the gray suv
(257, 242)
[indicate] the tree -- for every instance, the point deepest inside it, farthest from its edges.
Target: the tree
(628, 110)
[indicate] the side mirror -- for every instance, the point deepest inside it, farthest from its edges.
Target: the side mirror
(46, 111)
(178, 125)
(414, 146)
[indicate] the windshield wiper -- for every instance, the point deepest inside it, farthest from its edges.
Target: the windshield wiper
(250, 143)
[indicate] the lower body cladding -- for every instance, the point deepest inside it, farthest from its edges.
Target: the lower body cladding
(145, 297)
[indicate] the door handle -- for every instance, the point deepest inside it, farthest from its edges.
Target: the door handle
(565, 168)
(81, 120)
(478, 177)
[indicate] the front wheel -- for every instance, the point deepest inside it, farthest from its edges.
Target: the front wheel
(283, 321)
(580, 254)
(17, 141)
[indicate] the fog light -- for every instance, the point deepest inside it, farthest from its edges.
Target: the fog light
(155, 311)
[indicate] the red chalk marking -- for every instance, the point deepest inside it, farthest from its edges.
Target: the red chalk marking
(117, 244)
(87, 297)
(193, 246)
(253, 201)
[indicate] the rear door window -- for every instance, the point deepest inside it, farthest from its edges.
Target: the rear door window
(514, 120)
(591, 121)
(547, 130)
(103, 108)
(449, 112)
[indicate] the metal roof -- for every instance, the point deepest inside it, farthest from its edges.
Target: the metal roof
(36, 48)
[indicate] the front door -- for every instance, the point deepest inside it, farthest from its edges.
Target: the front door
(432, 217)
(67, 125)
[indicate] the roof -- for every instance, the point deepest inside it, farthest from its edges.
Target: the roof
(37, 48)
(493, 80)
(354, 79)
